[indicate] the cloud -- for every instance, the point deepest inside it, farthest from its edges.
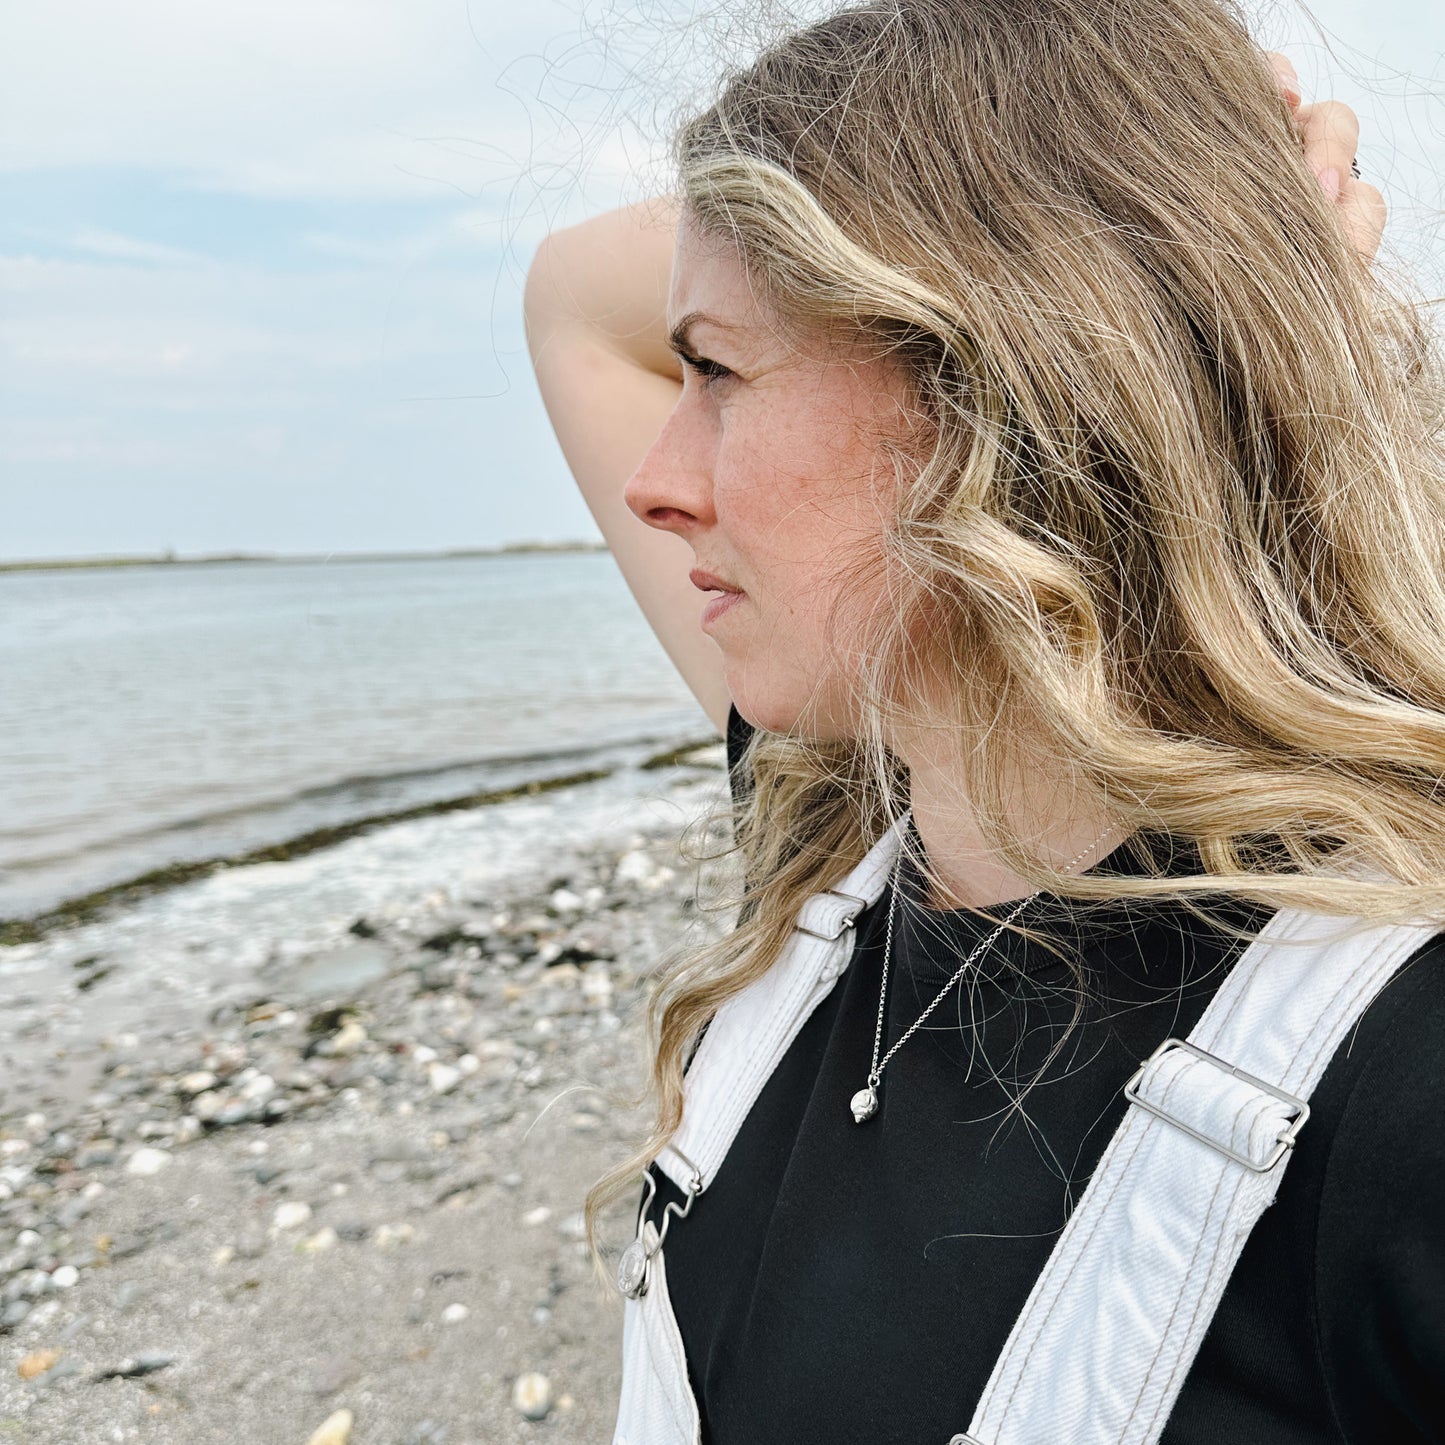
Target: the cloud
(333, 99)
(97, 241)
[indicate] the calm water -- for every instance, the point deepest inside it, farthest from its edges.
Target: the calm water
(157, 714)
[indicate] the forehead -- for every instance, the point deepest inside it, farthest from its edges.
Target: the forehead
(709, 283)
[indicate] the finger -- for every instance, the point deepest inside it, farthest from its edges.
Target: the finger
(1287, 77)
(1331, 133)
(1363, 214)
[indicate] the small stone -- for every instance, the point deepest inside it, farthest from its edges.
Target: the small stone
(532, 1396)
(391, 1235)
(134, 1367)
(317, 1243)
(36, 1363)
(533, 1217)
(333, 1430)
(634, 867)
(347, 1039)
(146, 1162)
(454, 1314)
(444, 1078)
(66, 1277)
(198, 1082)
(292, 1214)
(207, 1107)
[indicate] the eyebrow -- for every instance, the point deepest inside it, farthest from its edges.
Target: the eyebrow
(678, 339)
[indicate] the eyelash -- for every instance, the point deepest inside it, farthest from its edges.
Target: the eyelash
(702, 367)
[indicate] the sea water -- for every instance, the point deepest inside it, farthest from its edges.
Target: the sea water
(162, 714)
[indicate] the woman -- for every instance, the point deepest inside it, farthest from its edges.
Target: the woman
(1070, 491)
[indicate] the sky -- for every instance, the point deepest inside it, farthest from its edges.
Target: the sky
(261, 265)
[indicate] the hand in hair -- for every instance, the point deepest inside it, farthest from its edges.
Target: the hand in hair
(1330, 132)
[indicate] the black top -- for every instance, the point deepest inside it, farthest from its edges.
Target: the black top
(848, 1283)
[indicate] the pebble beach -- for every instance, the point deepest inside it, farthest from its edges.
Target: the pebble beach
(296, 1154)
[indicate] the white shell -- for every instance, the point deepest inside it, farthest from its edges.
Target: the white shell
(632, 1270)
(864, 1105)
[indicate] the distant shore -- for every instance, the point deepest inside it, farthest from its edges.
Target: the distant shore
(171, 559)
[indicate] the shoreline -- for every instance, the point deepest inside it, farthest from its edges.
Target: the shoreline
(346, 1174)
(88, 906)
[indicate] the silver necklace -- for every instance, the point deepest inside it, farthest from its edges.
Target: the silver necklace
(865, 1102)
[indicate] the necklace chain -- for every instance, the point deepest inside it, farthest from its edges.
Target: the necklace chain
(865, 1101)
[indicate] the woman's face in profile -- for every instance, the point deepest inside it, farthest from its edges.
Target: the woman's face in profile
(770, 468)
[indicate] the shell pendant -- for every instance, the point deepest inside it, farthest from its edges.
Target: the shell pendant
(864, 1104)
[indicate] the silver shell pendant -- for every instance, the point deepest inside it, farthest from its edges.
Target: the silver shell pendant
(632, 1270)
(864, 1104)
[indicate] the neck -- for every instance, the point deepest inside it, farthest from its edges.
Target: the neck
(1054, 815)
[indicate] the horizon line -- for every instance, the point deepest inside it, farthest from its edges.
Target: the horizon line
(175, 559)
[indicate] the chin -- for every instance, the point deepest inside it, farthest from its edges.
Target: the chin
(779, 712)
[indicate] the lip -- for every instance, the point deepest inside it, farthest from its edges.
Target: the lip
(718, 606)
(711, 582)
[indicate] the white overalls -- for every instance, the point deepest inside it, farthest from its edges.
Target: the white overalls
(1101, 1348)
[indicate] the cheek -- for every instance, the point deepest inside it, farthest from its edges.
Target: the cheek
(825, 504)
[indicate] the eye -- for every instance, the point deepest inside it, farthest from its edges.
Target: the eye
(702, 367)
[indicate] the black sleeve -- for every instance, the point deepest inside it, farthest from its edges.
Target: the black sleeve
(739, 730)
(1380, 1265)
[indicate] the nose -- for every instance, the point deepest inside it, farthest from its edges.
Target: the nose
(672, 486)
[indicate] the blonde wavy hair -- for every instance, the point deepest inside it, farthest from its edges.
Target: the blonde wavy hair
(1181, 528)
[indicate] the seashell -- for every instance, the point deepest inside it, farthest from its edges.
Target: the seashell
(864, 1105)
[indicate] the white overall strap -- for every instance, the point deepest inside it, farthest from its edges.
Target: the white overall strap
(1101, 1348)
(747, 1037)
(751, 1032)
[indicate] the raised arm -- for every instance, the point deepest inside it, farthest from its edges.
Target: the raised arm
(595, 303)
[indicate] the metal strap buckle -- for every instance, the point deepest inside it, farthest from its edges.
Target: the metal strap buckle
(847, 920)
(1284, 1141)
(634, 1268)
